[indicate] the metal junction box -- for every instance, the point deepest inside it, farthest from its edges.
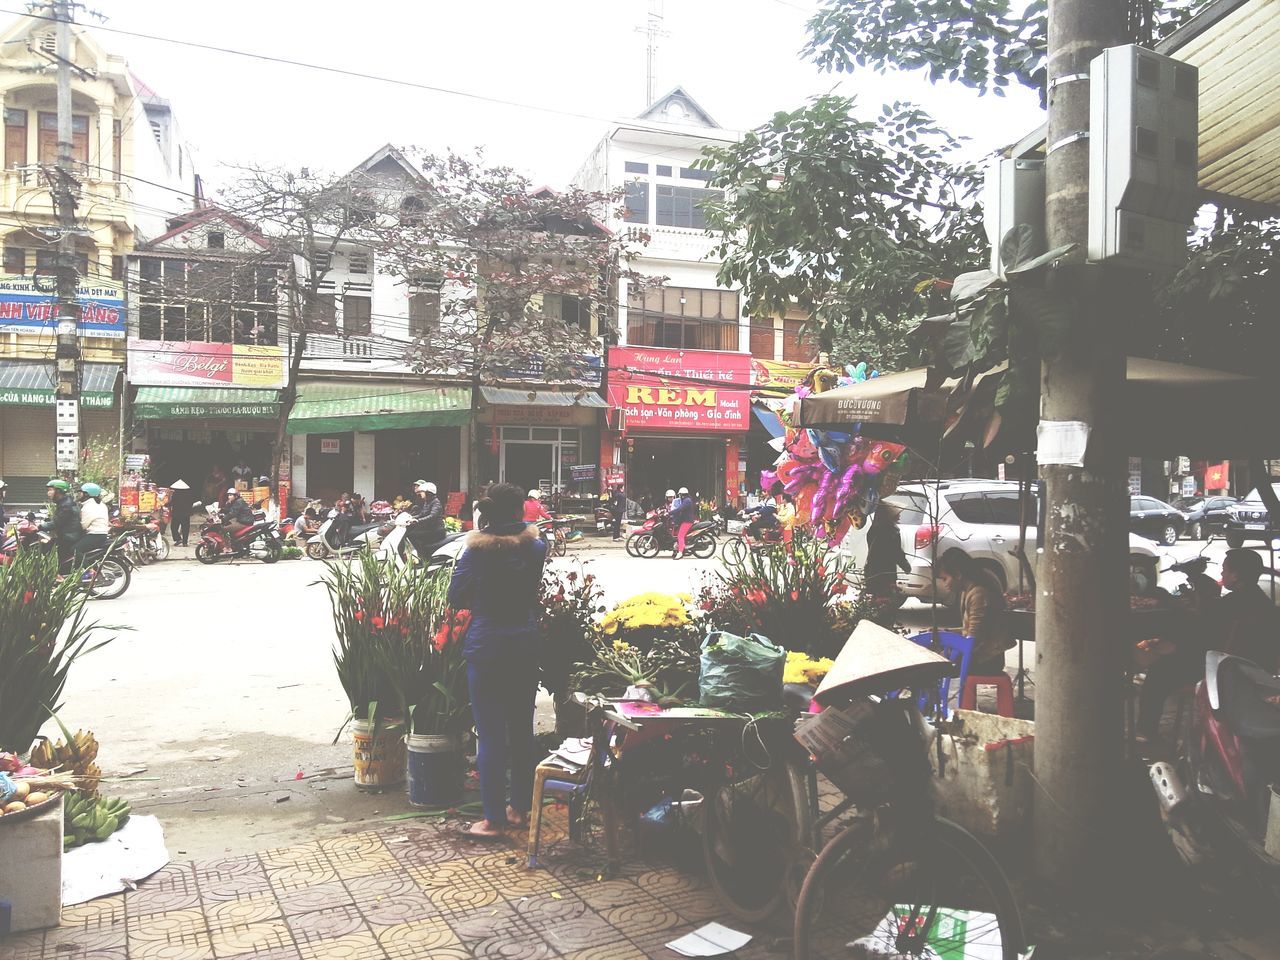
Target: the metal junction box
(1144, 128)
(1013, 193)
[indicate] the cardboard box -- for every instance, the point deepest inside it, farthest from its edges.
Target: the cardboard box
(34, 893)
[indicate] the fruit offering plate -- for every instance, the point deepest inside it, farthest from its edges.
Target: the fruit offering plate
(32, 810)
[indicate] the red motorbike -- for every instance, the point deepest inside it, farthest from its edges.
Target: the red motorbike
(259, 541)
(106, 576)
(1220, 800)
(657, 534)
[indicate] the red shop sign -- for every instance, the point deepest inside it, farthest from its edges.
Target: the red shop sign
(662, 389)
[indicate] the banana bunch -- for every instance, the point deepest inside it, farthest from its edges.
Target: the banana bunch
(87, 819)
(76, 756)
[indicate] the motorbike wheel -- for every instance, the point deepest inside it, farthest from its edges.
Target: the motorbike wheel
(559, 545)
(161, 550)
(273, 551)
(111, 580)
(141, 553)
(646, 546)
(703, 546)
(206, 553)
(632, 540)
(316, 551)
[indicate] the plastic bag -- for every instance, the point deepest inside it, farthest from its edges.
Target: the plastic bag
(741, 673)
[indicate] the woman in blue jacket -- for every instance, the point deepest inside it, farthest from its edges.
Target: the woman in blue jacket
(497, 578)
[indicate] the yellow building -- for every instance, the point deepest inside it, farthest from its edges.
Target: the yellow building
(134, 173)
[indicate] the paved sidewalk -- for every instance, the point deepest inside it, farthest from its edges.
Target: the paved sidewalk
(413, 891)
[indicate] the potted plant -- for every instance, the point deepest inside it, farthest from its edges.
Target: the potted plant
(367, 610)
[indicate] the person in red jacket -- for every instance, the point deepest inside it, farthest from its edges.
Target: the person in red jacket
(533, 508)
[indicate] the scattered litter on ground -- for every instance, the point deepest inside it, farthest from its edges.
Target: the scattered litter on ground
(133, 852)
(711, 940)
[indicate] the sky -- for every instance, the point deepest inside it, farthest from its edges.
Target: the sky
(738, 58)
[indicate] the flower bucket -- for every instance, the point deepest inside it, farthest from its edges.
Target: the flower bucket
(435, 770)
(378, 758)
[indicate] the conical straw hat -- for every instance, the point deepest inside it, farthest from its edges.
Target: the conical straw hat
(875, 660)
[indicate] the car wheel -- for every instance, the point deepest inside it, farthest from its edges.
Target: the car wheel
(1169, 536)
(1195, 532)
(1235, 540)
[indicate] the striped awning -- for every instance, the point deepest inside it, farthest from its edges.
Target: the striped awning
(32, 383)
(204, 403)
(340, 407)
(524, 397)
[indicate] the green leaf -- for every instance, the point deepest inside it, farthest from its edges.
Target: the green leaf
(1035, 263)
(969, 285)
(1017, 246)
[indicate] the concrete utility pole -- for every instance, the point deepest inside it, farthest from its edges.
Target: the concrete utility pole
(64, 189)
(1082, 581)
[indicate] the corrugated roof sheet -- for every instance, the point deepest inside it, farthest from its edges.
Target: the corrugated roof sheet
(510, 396)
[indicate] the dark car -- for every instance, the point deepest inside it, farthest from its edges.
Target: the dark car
(1248, 520)
(1155, 520)
(1206, 516)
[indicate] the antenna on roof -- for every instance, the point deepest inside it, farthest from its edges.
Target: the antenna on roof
(652, 31)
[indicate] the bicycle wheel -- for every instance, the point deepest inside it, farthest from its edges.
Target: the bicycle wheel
(560, 544)
(632, 540)
(752, 832)
(734, 550)
(912, 893)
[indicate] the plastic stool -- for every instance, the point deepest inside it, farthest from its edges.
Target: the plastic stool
(1004, 693)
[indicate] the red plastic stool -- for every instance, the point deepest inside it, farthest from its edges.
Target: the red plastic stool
(1004, 693)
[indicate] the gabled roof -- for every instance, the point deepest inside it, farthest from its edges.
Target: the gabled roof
(184, 222)
(23, 26)
(689, 111)
(392, 153)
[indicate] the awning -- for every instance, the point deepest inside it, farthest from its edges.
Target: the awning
(31, 383)
(368, 405)
(509, 396)
(769, 420)
(203, 403)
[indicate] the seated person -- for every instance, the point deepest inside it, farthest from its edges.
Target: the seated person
(534, 511)
(984, 615)
(764, 519)
(1250, 616)
(236, 515)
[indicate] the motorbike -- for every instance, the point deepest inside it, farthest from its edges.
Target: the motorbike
(141, 539)
(396, 548)
(1218, 798)
(338, 536)
(106, 575)
(656, 535)
(745, 540)
(259, 541)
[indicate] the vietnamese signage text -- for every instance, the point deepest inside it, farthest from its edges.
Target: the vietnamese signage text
(24, 309)
(196, 364)
(680, 389)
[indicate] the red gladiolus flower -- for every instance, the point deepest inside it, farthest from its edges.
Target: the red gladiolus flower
(378, 623)
(359, 615)
(795, 595)
(28, 596)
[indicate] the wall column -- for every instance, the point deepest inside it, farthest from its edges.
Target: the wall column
(362, 467)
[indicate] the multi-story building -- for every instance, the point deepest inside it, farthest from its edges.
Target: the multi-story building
(689, 426)
(133, 172)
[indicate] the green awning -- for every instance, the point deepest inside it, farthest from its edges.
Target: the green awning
(343, 407)
(204, 403)
(515, 397)
(30, 383)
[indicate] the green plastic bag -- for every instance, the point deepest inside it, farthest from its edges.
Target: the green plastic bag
(743, 674)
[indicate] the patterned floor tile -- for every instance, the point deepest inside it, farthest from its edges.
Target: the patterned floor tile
(623, 950)
(428, 937)
(388, 884)
(392, 911)
(523, 946)
(642, 916)
(239, 913)
(296, 876)
(253, 938)
(365, 866)
(223, 886)
(106, 911)
(327, 924)
(486, 922)
(23, 946)
(78, 941)
(358, 946)
(302, 854)
(148, 900)
(319, 897)
(230, 866)
(565, 922)
(160, 927)
(184, 947)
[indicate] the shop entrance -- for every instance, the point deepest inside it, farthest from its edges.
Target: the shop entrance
(528, 465)
(531, 456)
(330, 465)
(657, 464)
(418, 453)
(196, 453)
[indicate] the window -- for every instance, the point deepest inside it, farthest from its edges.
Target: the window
(157, 133)
(15, 260)
(320, 262)
(424, 313)
(215, 240)
(206, 302)
(632, 167)
(762, 339)
(357, 315)
(570, 310)
(324, 314)
(117, 147)
(637, 202)
(969, 508)
(681, 206)
(794, 348)
(46, 259)
(683, 318)
(689, 173)
(47, 145)
(664, 170)
(357, 263)
(15, 138)
(1005, 509)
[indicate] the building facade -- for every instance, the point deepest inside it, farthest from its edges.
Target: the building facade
(134, 171)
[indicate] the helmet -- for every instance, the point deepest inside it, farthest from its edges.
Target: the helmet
(684, 491)
(59, 485)
(92, 489)
(536, 494)
(669, 494)
(232, 491)
(429, 487)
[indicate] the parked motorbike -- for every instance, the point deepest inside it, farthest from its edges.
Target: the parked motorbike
(655, 535)
(106, 574)
(338, 536)
(1218, 799)
(396, 547)
(260, 541)
(141, 539)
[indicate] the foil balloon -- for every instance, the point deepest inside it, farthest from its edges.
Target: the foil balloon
(801, 445)
(767, 479)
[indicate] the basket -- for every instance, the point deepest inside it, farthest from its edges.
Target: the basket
(30, 812)
(867, 749)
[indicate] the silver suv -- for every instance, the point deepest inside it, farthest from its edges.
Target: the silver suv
(981, 518)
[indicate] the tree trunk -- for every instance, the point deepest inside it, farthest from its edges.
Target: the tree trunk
(288, 396)
(1081, 603)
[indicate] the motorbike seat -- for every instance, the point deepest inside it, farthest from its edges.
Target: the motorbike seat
(1243, 688)
(797, 696)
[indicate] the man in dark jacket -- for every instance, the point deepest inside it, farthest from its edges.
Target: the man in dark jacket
(428, 512)
(617, 509)
(236, 515)
(65, 522)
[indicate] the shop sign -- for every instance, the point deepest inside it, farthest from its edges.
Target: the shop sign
(533, 370)
(330, 446)
(33, 397)
(196, 364)
(583, 471)
(137, 462)
(779, 376)
(680, 390)
(614, 477)
(533, 415)
(24, 309)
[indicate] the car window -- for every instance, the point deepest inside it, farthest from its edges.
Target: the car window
(969, 507)
(1149, 505)
(1135, 504)
(912, 509)
(1004, 509)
